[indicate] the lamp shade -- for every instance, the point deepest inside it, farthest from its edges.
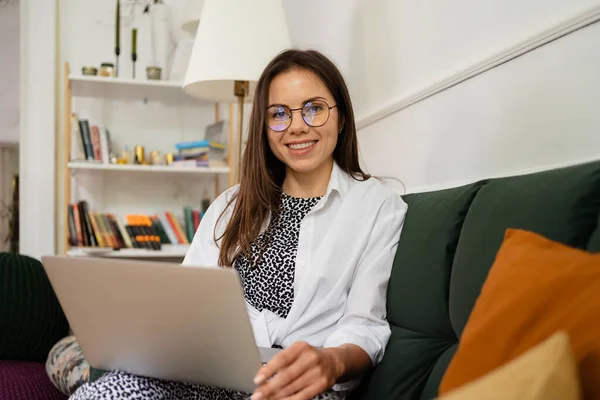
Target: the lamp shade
(235, 40)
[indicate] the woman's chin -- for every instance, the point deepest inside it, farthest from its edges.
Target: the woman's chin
(302, 167)
(305, 166)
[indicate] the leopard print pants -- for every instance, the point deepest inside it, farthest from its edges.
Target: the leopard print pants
(123, 386)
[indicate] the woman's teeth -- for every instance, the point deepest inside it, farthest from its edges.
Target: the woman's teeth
(298, 146)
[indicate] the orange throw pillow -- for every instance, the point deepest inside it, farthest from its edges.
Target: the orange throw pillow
(535, 287)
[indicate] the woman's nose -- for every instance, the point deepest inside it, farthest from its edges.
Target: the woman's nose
(298, 125)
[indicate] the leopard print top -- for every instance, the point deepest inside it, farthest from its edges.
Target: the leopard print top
(268, 281)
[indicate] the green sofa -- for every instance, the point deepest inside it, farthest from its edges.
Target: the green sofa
(31, 322)
(448, 244)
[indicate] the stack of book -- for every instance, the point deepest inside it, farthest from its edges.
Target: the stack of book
(95, 229)
(192, 154)
(92, 142)
(202, 152)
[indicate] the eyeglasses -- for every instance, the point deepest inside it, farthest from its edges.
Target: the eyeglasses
(315, 113)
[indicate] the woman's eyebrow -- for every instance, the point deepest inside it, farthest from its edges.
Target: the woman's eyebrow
(304, 102)
(313, 99)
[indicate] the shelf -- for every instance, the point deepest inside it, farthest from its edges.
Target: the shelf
(126, 81)
(99, 86)
(97, 166)
(167, 251)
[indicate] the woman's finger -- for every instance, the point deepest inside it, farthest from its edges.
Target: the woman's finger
(314, 389)
(289, 374)
(297, 385)
(280, 361)
(285, 376)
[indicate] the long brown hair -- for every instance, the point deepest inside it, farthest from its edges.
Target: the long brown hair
(262, 173)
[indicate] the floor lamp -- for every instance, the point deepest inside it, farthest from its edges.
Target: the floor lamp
(234, 42)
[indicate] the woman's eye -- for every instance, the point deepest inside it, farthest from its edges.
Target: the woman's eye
(279, 115)
(315, 109)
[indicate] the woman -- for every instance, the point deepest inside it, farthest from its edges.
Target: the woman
(311, 235)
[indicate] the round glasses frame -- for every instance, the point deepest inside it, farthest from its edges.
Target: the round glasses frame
(304, 110)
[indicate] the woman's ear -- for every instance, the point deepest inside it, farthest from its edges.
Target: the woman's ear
(342, 122)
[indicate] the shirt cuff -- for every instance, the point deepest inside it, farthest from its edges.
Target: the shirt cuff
(369, 345)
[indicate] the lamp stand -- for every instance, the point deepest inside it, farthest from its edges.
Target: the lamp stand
(240, 90)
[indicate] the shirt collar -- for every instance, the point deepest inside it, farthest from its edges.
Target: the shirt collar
(339, 181)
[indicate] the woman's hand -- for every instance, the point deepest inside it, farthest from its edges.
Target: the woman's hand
(299, 372)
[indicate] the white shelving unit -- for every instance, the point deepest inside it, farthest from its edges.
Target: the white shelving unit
(99, 86)
(167, 251)
(127, 168)
(101, 80)
(136, 188)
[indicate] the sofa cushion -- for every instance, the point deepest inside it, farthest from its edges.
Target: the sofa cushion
(594, 243)
(561, 204)
(22, 380)
(418, 295)
(546, 372)
(31, 318)
(66, 366)
(535, 288)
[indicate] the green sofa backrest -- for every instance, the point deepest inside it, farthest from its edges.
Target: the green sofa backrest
(31, 318)
(448, 244)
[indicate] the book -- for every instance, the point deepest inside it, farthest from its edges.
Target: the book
(176, 226)
(88, 228)
(89, 235)
(91, 141)
(189, 145)
(84, 128)
(105, 147)
(162, 217)
(95, 135)
(196, 220)
(78, 229)
(78, 145)
(72, 228)
(189, 223)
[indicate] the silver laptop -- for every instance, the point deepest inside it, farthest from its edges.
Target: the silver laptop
(159, 320)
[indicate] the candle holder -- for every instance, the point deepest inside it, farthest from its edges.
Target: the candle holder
(133, 60)
(117, 37)
(133, 49)
(153, 73)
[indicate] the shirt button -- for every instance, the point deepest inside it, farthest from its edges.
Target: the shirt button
(301, 263)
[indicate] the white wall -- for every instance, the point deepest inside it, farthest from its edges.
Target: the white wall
(430, 131)
(409, 44)
(535, 112)
(37, 127)
(87, 30)
(9, 73)
(334, 28)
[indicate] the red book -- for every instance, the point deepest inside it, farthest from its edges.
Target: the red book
(95, 136)
(78, 228)
(176, 228)
(196, 219)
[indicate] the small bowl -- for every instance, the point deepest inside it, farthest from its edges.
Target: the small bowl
(107, 69)
(90, 71)
(153, 73)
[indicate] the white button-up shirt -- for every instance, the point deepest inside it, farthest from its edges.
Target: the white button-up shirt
(345, 253)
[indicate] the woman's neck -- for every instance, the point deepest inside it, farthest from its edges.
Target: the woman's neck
(308, 184)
